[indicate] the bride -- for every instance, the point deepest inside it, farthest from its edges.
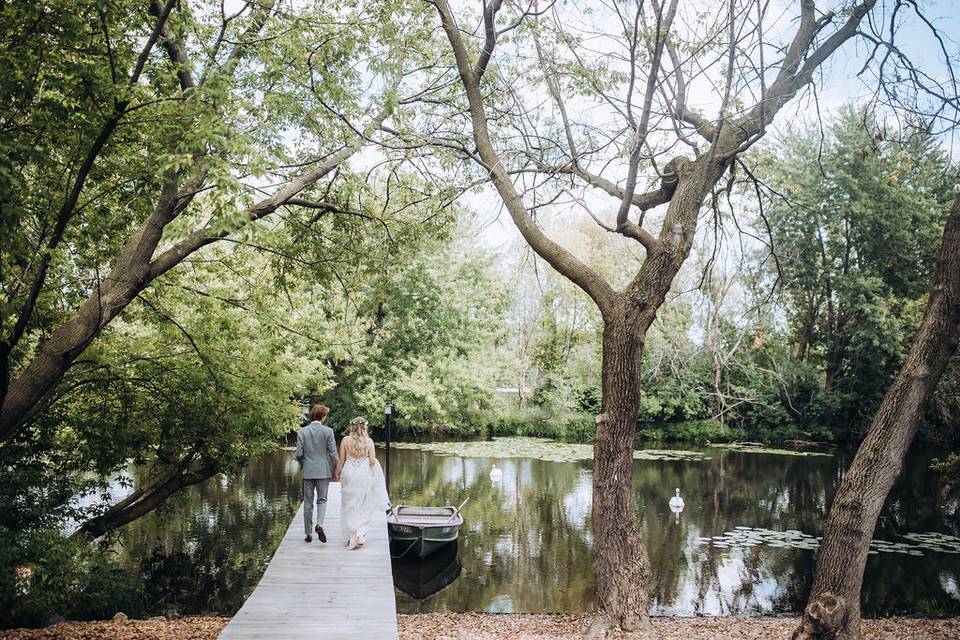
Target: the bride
(362, 487)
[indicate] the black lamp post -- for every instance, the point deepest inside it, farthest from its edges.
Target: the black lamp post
(387, 419)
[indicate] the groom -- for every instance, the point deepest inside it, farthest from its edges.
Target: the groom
(317, 455)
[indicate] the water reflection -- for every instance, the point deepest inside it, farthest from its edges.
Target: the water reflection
(421, 578)
(525, 545)
(206, 549)
(526, 541)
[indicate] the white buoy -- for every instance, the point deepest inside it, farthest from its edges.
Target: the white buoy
(495, 474)
(676, 503)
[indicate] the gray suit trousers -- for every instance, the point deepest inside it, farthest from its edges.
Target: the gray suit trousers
(310, 486)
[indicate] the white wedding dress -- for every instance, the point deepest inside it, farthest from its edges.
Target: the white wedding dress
(363, 493)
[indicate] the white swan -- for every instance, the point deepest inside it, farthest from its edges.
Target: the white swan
(495, 474)
(676, 502)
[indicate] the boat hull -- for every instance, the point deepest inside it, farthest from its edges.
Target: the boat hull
(422, 531)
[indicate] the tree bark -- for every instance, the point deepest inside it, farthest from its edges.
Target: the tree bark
(621, 563)
(833, 610)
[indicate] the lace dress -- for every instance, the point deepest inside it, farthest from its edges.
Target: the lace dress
(363, 492)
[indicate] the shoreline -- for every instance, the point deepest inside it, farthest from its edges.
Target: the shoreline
(509, 626)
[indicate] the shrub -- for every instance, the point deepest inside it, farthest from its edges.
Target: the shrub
(538, 423)
(72, 578)
(695, 431)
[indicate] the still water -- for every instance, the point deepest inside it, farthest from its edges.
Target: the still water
(743, 545)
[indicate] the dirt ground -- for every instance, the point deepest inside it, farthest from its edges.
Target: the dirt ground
(488, 626)
(155, 629)
(471, 626)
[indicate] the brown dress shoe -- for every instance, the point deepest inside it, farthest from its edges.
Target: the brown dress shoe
(308, 538)
(321, 536)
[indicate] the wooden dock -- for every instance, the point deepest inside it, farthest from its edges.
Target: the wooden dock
(321, 590)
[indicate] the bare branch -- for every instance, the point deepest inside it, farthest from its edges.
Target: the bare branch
(490, 10)
(559, 258)
(210, 234)
(640, 133)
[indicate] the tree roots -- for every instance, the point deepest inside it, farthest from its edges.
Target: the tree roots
(826, 618)
(603, 623)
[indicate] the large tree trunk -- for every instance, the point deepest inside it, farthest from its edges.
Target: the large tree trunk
(27, 393)
(135, 269)
(143, 501)
(833, 610)
(621, 564)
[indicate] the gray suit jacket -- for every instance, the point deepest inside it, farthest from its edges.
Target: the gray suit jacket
(317, 451)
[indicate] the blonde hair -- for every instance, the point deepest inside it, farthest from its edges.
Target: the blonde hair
(359, 428)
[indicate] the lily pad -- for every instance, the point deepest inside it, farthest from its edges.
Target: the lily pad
(743, 448)
(536, 448)
(932, 541)
(752, 536)
(915, 544)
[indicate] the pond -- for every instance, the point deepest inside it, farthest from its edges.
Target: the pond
(744, 544)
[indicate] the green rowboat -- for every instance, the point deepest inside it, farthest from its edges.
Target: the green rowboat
(422, 530)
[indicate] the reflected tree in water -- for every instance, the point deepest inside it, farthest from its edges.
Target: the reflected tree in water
(525, 546)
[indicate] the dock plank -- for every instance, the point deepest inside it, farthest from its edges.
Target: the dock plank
(321, 590)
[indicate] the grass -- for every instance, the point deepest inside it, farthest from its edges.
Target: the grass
(580, 428)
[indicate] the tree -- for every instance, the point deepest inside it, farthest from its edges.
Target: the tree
(855, 221)
(833, 610)
(201, 373)
(423, 320)
(183, 386)
(186, 385)
(640, 74)
(121, 164)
